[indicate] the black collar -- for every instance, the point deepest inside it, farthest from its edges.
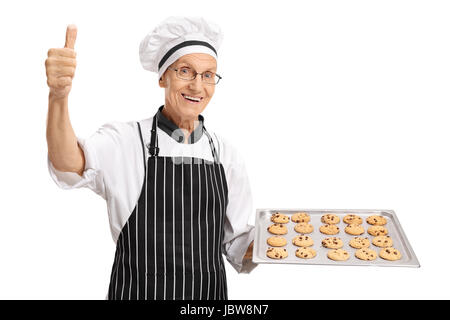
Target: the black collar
(176, 133)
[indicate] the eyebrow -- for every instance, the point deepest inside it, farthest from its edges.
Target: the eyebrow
(190, 65)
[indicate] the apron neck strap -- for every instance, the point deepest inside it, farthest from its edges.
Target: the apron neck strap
(211, 144)
(153, 148)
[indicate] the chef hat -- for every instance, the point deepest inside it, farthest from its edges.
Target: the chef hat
(176, 37)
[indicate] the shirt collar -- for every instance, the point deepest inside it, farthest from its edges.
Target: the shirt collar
(176, 133)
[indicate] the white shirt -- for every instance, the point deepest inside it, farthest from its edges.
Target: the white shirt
(114, 169)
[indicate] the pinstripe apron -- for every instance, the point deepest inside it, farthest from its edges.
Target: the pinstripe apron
(171, 246)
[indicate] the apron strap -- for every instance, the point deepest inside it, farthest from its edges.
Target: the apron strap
(142, 143)
(153, 148)
(211, 144)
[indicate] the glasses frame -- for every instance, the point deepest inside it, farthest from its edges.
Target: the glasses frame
(196, 74)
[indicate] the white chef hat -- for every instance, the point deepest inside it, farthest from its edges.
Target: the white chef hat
(176, 37)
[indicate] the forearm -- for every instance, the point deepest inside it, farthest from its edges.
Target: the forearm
(63, 149)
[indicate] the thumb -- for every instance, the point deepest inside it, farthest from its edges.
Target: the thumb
(71, 36)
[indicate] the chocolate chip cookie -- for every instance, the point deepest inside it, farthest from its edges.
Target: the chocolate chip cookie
(277, 228)
(305, 253)
(390, 254)
(330, 218)
(376, 220)
(277, 253)
(338, 255)
(359, 242)
(366, 254)
(304, 227)
(377, 231)
(300, 217)
(329, 229)
(382, 241)
(303, 241)
(354, 229)
(332, 243)
(279, 218)
(353, 219)
(276, 241)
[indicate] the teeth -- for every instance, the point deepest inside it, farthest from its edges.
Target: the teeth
(192, 98)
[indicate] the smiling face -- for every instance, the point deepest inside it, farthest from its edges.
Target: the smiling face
(177, 89)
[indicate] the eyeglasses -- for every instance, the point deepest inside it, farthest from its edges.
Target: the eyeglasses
(188, 74)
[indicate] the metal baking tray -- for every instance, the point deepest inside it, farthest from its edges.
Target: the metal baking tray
(395, 231)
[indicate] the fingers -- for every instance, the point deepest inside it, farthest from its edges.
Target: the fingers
(63, 52)
(59, 66)
(71, 36)
(59, 82)
(60, 78)
(60, 61)
(61, 71)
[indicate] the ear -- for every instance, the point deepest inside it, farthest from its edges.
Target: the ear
(162, 82)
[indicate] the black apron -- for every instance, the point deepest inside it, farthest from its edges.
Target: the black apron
(171, 246)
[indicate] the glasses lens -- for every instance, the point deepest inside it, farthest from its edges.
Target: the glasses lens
(186, 73)
(209, 77)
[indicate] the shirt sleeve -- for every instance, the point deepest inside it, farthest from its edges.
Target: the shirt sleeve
(103, 152)
(238, 232)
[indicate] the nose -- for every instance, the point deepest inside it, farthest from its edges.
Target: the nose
(196, 84)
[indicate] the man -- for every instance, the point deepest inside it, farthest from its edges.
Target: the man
(178, 196)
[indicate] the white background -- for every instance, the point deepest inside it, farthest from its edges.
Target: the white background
(333, 104)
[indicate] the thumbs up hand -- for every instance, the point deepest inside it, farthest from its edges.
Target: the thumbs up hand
(60, 65)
